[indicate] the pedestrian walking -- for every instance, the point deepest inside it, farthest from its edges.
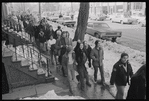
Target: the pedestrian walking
(137, 89)
(97, 55)
(58, 29)
(62, 44)
(81, 59)
(51, 46)
(120, 75)
(57, 48)
(69, 56)
(88, 50)
(42, 40)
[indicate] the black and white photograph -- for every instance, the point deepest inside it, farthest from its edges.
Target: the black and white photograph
(73, 50)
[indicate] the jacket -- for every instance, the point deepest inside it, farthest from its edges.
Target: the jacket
(119, 76)
(63, 41)
(42, 39)
(137, 89)
(65, 59)
(88, 52)
(97, 56)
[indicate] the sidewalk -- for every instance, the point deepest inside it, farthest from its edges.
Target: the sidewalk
(60, 86)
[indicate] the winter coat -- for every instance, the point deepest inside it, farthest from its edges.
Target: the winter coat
(64, 41)
(119, 76)
(81, 56)
(49, 33)
(97, 56)
(88, 52)
(42, 39)
(137, 89)
(65, 59)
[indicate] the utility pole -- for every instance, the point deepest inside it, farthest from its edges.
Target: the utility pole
(108, 8)
(39, 11)
(115, 8)
(71, 7)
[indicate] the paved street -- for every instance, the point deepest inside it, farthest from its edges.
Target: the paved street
(133, 36)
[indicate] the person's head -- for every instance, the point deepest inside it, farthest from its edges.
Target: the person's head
(64, 34)
(67, 34)
(85, 43)
(51, 37)
(51, 28)
(59, 33)
(59, 27)
(124, 57)
(97, 43)
(81, 45)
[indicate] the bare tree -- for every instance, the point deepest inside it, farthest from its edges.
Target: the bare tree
(82, 21)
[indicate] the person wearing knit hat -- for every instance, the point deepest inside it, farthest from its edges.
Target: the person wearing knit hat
(121, 74)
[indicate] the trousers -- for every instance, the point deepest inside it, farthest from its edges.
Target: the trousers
(71, 76)
(101, 73)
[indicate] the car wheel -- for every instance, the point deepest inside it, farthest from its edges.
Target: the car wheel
(121, 22)
(113, 39)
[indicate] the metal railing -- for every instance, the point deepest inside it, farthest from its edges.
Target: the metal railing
(9, 28)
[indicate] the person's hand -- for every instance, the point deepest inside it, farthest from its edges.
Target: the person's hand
(79, 40)
(76, 63)
(61, 45)
(111, 86)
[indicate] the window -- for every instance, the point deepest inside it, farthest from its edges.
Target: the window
(103, 25)
(66, 18)
(90, 25)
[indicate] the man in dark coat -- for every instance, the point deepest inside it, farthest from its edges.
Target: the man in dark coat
(120, 75)
(137, 89)
(97, 54)
(88, 50)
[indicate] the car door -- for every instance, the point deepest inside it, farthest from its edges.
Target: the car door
(90, 29)
(114, 18)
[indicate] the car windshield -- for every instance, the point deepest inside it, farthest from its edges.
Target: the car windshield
(103, 25)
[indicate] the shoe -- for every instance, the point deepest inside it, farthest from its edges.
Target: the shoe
(87, 83)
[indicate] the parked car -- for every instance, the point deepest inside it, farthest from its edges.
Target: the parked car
(121, 18)
(102, 30)
(109, 16)
(66, 21)
(93, 17)
(139, 17)
(101, 17)
(142, 23)
(53, 18)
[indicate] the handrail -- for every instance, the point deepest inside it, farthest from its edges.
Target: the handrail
(25, 44)
(46, 57)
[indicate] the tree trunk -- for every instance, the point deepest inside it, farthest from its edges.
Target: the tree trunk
(82, 21)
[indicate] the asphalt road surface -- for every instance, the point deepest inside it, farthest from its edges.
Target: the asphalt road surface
(133, 36)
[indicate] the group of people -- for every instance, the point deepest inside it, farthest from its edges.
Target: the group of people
(71, 59)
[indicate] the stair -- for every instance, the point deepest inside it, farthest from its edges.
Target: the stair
(23, 65)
